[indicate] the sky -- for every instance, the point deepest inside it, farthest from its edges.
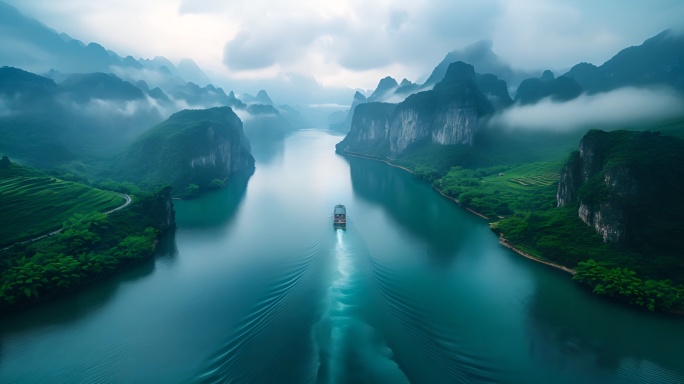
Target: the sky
(354, 43)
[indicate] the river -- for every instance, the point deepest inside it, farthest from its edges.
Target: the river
(256, 286)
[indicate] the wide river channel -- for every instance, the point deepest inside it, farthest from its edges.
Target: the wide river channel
(256, 286)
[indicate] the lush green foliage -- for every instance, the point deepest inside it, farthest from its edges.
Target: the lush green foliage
(502, 190)
(191, 147)
(35, 203)
(523, 197)
(624, 284)
(90, 245)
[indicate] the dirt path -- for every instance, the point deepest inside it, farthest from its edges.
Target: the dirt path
(129, 200)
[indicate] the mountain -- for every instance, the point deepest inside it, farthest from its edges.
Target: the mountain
(448, 114)
(207, 96)
(495, 89)
(385, 87)
(261, 98)
(406, 87)
(190, 71)
(86, 116)
(190, 147)
(24, 90)
(29, 44)
(345, 125)
(102, 86)
(481, 56)
(265, 122)
(628, 185)
(658, 61)
(561, 89)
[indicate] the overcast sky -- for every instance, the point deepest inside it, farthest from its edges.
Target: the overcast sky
(356, 42)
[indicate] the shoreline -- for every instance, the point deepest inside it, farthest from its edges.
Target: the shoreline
(502, 240)
(505, 243)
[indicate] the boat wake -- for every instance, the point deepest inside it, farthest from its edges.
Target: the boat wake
(349, 349)
(272, 321)
(441, 342)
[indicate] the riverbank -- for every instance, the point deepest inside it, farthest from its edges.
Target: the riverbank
(505, 243)
(502, 240)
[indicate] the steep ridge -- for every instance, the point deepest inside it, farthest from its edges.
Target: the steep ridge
(658, 61)
(191, 147)
(448, 114)
(628, 187)
(562, 88)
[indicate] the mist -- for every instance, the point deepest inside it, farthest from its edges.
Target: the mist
(624, 106)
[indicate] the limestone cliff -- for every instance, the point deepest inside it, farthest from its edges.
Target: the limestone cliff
(624, 183)
(191, 147)
(448, 114)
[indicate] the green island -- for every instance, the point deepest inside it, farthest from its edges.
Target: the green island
(91, 244)
(518, 194)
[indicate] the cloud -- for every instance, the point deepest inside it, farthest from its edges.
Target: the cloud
(622, 107)
(356, 42)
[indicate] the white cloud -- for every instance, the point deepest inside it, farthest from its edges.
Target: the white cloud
(356, 42)
(624, 106)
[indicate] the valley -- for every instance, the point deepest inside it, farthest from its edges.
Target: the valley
(167, 193)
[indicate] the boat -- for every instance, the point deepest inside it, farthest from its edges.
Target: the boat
(340, 216)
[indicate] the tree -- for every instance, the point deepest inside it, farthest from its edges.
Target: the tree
(192, 190)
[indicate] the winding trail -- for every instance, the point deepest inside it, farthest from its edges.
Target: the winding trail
(128, 198)
(128, 202)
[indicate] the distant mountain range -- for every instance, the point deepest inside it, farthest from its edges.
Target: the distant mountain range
(30, 45)
(659, 61)
(49, 123)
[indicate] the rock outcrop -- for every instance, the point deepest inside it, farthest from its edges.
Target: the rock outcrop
(623, 182)
(448, 114)
(191, 147)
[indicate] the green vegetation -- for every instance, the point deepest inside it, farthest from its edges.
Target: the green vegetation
(516, 186)
(502, 190)
(35, 203)
(624, 284)
(90, 246)
(192, 147)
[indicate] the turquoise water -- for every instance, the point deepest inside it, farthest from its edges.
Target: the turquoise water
(256, 286)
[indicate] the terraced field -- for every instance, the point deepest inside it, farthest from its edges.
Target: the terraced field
(537, 177)
(33, 203)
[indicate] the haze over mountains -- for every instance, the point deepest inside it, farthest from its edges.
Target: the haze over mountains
(94, 101)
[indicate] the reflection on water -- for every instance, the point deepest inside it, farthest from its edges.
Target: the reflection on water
(256, 286)
(91, 297)
(215, 208)
(268, 151)
(418, 210)
(569, 330)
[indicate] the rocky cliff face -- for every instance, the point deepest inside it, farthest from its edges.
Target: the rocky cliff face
(191, 147)
(596, 190)
(167, 216)
(620, 181)
(370, 128)
(448, 114)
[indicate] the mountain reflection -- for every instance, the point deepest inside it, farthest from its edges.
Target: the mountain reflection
(420, 211)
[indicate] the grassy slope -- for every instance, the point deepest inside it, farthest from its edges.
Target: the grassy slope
(35, 203)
